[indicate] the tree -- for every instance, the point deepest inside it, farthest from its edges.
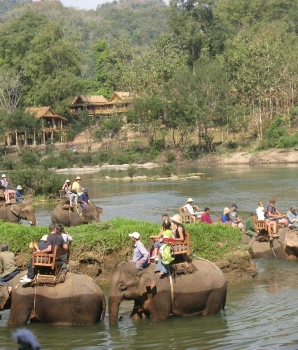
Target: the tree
(10, 90)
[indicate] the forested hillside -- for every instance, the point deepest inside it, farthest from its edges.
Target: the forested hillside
(197, 69)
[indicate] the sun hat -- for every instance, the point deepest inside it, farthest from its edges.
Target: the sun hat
(3, 175)
(44, 238)
(86, 190)
(226, 210)
(136, 235)
(235, 205)
(4, 246)
(33, 245)
(176, 218)
(189, 200)
(67, 180)
(292, 207)
(19, 187)
(78, 178)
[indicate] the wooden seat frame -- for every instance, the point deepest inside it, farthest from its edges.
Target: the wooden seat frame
(181, 247)
(186, 217)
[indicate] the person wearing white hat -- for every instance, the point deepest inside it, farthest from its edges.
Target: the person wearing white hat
(193, 210)
(18, 194)
(140, 253)
(177, 228)
(5, 187)
(76, 191)
(292, 217)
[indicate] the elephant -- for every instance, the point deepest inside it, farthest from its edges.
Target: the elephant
(77, 301)
(278, 249)
(200, 293)
(74, 216)
(14, 212)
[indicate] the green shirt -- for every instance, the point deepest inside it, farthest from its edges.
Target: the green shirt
(7, 263)
(249, 224)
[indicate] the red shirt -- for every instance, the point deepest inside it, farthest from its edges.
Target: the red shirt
(206, 218)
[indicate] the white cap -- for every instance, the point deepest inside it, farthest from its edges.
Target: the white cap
(136, 235)
(3, 175)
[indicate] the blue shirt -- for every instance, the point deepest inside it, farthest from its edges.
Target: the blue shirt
(84, 197)
(18, 196)
(140, 253)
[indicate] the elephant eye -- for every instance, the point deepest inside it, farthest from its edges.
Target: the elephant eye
(122, 286)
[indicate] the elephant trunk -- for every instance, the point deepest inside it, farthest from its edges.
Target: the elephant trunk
(114, 303)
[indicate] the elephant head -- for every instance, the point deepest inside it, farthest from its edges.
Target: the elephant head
(4, 296)
(24, 210)
(92, 213)
(128, 283)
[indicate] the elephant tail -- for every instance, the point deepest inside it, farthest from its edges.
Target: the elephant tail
(224, 300)
(103, 308)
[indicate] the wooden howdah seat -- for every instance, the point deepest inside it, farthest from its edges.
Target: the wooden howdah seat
(48, 266)
(181, 247)
(186, 217)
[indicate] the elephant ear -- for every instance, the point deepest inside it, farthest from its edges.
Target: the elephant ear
(147, 284)
(15, 209)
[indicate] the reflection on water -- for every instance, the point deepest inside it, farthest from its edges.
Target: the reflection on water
(259, 314)
(219, 187)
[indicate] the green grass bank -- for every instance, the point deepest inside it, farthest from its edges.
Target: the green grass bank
(107, 242)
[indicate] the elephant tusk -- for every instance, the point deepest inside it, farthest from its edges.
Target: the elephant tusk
(30, 222)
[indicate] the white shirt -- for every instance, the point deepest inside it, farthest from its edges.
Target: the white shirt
(260, 213)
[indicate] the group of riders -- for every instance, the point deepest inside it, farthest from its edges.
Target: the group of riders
(76, 193)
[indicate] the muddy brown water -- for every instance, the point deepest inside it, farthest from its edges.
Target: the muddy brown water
(259, 314)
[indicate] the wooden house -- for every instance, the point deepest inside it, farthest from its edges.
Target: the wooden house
(97, 105)
(51, 124)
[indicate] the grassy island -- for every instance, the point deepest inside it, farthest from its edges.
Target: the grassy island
(108, 242)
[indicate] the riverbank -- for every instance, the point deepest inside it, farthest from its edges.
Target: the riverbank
(270, 156)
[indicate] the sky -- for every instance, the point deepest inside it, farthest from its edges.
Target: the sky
(83, 4)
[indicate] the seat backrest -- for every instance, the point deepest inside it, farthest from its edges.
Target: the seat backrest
(182, 247)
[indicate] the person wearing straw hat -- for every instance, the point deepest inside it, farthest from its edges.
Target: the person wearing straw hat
(76, 191)
(177, 228)
(225, 218)
(18, 194)
(193, 210)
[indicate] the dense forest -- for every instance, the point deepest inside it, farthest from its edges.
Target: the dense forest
(195, 68)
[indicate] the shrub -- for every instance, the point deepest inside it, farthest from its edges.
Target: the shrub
(132, 170)
(170, 157)
(167, 169)
(29, 158)
(7, 163)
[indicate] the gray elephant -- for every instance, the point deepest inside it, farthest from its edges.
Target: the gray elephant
(278, 249)
(200, 293)
(16, 211)
(77, 301)
(74, 216)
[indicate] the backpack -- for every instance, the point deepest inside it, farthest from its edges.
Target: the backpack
(166, 254)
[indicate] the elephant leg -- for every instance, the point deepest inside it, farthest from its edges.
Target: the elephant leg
(19, 314)
(159, 306)
(215, 302)
(138, 312)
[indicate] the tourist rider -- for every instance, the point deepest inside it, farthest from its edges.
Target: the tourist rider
(8, 267)
(84, 199)
(235, 217)
(193, 210)
(250, 226)
(225, 218)
(292, 217)
(140, 253)
(5, 187)
(273, 214)
(52, 240)
(270, 224)
(76, 191)
(206, 216)
(178, 230)
(158, 239)
(18, 194)
(66, 186)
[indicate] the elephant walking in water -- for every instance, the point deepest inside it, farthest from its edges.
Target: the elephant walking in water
(200, 293)
(77, 301)
(74, 216)
(16, 211)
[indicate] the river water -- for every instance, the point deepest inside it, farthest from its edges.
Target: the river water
(259, 314)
